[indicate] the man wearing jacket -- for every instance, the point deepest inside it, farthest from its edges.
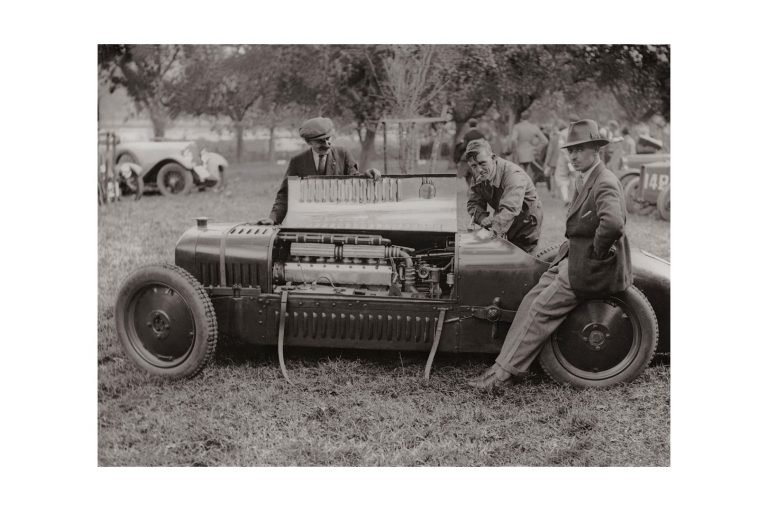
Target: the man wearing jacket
(321, 159)
(509, 191)
(527, 139)
(592, 262)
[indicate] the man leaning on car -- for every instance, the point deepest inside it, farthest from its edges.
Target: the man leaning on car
(321, 159)
(593, 262)
(510, 192)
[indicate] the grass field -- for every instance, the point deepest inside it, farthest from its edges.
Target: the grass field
(349, 407)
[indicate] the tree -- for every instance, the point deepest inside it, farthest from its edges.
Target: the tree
(350, 89)
(530, 72)
(149, 74)
(231, 82)
(410, 83)
(470, 74)
(637, 75)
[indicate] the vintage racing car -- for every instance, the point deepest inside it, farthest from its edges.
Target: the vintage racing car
(631, 165)
(650, 190)
(367, 264)
(170, 167)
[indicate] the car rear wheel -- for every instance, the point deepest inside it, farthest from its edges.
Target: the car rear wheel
(663, 204)
(603, 341)
(165, 321)
(174, 180)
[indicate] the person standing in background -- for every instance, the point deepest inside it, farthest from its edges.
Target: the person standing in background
(527, 139)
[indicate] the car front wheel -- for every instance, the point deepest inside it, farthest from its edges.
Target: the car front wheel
(166, 321)
(174, 180)
(603, 341)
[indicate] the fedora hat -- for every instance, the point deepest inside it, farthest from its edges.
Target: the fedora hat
(582, 132)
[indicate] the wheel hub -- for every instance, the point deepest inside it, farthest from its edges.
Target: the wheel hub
(595, 335)
(163, 326)
(597, 339)
(159, 323)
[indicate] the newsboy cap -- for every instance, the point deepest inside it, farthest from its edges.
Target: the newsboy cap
(316, 128)
(476, 145)
(583, 132)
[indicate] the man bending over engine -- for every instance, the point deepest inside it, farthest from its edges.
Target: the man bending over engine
(510, 192)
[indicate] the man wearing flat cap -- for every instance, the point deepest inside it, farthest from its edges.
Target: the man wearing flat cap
(321, 159)
(509, 191)
(592, 262)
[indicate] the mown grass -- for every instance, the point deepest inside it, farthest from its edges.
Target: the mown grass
(349, 407)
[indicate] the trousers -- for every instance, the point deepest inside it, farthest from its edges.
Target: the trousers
(541, 312)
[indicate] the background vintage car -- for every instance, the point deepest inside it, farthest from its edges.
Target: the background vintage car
(168, 166)
(370, 264)
(650, 190)
(631, 165)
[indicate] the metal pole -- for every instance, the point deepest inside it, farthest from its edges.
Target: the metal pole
(385, 146)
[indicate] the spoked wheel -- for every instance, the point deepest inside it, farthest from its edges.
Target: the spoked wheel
(603, 341)
(663, 204)
(174, 180)
(165, 321)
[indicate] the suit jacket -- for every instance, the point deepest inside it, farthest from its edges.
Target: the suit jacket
(338, 163)
(528, 139)
(596, 246)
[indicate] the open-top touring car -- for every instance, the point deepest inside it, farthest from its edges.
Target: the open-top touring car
(367, 264)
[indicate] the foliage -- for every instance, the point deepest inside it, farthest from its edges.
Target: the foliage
(277, 85)
(149, 74)
(230, 81)
(637, 75)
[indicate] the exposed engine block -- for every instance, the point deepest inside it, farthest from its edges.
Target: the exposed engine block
(357, 264)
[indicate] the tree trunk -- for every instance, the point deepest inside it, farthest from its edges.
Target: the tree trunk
(159, 123)
(271, 150)
(239, 141)
(367, 145)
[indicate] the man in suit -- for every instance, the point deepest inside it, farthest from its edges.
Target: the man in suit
(592, 262)
(321, 159)
(510, 192)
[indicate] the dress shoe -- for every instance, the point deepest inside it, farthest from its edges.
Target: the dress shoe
(488, 380)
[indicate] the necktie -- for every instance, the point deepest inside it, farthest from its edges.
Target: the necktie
(321, 164)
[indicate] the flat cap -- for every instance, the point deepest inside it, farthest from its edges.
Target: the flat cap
(477, 145)
(315, 128)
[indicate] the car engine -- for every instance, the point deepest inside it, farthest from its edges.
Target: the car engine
(364, 264)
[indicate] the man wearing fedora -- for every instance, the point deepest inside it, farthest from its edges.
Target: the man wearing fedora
(510, 192)
(321, 159)
(592, 262)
